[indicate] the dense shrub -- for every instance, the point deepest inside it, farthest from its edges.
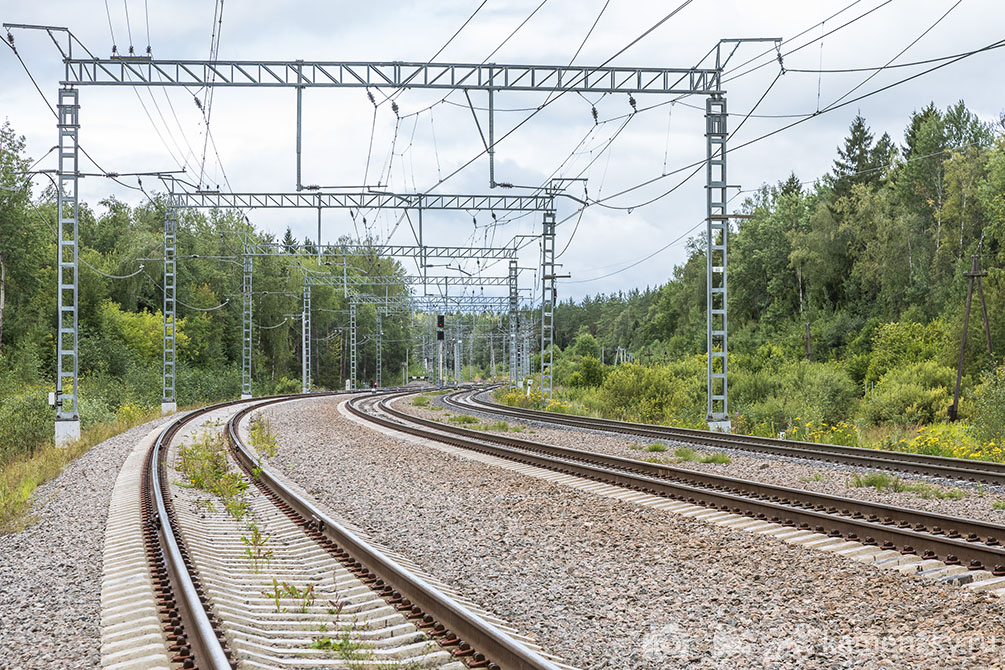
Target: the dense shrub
(912, 394)
(589, 372)
(819, 392)
(988, 408)
(287, 385)
(25, 422)
(902, 343)
(653, 394)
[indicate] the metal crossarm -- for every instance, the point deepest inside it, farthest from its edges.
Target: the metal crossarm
(124, 71)
(394, 250)
(493, 203)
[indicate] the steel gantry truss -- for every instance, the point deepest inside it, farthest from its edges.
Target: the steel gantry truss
(301, 75)
(387, 304)
(143, 71)
(182, 199)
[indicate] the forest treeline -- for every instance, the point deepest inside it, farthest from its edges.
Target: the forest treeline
(872, 256)
(120, 303)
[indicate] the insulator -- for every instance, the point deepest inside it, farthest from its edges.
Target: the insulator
(631, 101)
(394, 108)
(10, 37)
(593, 110)
(370, 95)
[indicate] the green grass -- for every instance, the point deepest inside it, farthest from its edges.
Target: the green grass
(463, 419)
(718, 457)
(685, 454)
(884, 482)
(815, 477)
(998, 504)
(656, 446)
(261, 436)
(20, 477)
(203, 461)
(421, 401)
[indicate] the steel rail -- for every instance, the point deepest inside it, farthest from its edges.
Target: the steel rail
(855, 519)
(987, 472)
(496, 645)
(196, 626)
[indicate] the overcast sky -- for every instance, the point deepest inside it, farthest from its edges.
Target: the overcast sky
(254, 129)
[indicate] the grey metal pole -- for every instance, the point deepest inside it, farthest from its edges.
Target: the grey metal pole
(352, 346)
(306, 340)
(67, 425)
(246, 315)
(168, 402)
(547, 302)
(716, 234)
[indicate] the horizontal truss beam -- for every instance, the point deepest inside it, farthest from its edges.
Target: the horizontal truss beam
(142, 71)
(495, 203)
(394, 250)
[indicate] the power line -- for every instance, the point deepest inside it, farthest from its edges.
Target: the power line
(832, 107)
(458, 31)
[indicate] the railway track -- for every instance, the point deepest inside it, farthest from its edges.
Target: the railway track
(271, 580)
(985, 472)
(960, 550)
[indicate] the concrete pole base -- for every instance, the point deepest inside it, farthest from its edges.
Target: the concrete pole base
(67, 431)
(246, 396)
(720, 426)
(168, 407)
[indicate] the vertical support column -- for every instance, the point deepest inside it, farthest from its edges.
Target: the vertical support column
(67, 427)
(716, 234)
(547, 302)
(300, 113)
(168, 401)
(352, 346)
(514, 318)
(380, 337)
(525, 354)
(457, 357)
(492, 356)
(305, 349)
(246, 263)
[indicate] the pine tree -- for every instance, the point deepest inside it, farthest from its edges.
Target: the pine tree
(880, 159)
(853, 158)
(917, 120)
(289, 242)
(791, 186)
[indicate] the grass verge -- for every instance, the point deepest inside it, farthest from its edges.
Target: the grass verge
(20, 477)
(884, 482)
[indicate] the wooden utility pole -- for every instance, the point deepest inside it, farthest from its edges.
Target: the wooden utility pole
(974, 274)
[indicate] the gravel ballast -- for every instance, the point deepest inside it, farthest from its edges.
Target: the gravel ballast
(976, 502)
(50, 573)
(607, 584)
